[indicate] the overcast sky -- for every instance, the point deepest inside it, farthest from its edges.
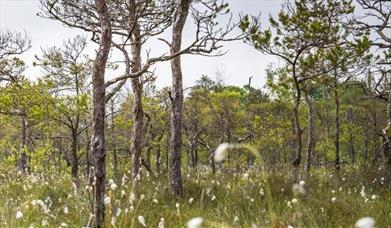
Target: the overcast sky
(241, 61)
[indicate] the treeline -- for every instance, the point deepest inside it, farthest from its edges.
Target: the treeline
(327, 103)
(55, 129)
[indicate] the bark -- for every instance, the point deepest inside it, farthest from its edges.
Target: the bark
(98, 153)
(176, 183)
(310, 132)
(23, 158)
(138, 113)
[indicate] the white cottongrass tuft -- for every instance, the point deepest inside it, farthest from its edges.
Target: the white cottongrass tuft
(221, 152)
(66, 211)
(132, 198)
(19, 215)
(195, 222)
(107, 200)
(366, 222)
(161, 223)
(298, 189)
(113, 221)
(113, 185)
(141, 220)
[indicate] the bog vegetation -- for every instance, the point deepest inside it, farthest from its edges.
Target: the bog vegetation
(310, 149)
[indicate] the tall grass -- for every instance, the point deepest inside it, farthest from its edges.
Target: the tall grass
(227, 199)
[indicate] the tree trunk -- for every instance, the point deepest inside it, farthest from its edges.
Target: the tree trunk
(297, 131)
(337, 127)
(176, 184)
(88, 153)
(387, 136)
(138, 113)
(352, 150)
(310, 132)
(98, 153)
(22, 161)
(366, 143)
(158, 160)
(74, 158)
(113, 142)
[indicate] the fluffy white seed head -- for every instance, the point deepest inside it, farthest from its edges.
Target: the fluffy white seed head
(366, 222)
(221, 152)
(195, 222)
(19, 215)
(141, 220)
(107, 200)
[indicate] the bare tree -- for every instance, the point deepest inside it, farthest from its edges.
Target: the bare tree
(69, 68)
(176, 95)
(98, 153)
(377, 19)
(12, 44)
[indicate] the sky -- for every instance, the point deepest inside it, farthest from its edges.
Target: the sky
(241, 61)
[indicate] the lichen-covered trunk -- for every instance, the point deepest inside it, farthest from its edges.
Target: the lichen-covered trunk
(176, 183)
(98, 154)
(23, 159)
(138, 113)
(310, 132)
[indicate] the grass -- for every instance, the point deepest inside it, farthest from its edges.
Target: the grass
(227, 199)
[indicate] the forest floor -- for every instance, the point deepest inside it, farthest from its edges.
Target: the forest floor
(251, 198)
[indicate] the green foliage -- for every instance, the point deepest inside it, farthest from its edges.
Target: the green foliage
(222, 200)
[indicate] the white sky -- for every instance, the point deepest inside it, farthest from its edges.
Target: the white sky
(241, 62)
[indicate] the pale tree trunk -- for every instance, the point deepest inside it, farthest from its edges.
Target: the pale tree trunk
(176, 183)
(98, 154)
(310, 132)
(138, 113)
(23, 159)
